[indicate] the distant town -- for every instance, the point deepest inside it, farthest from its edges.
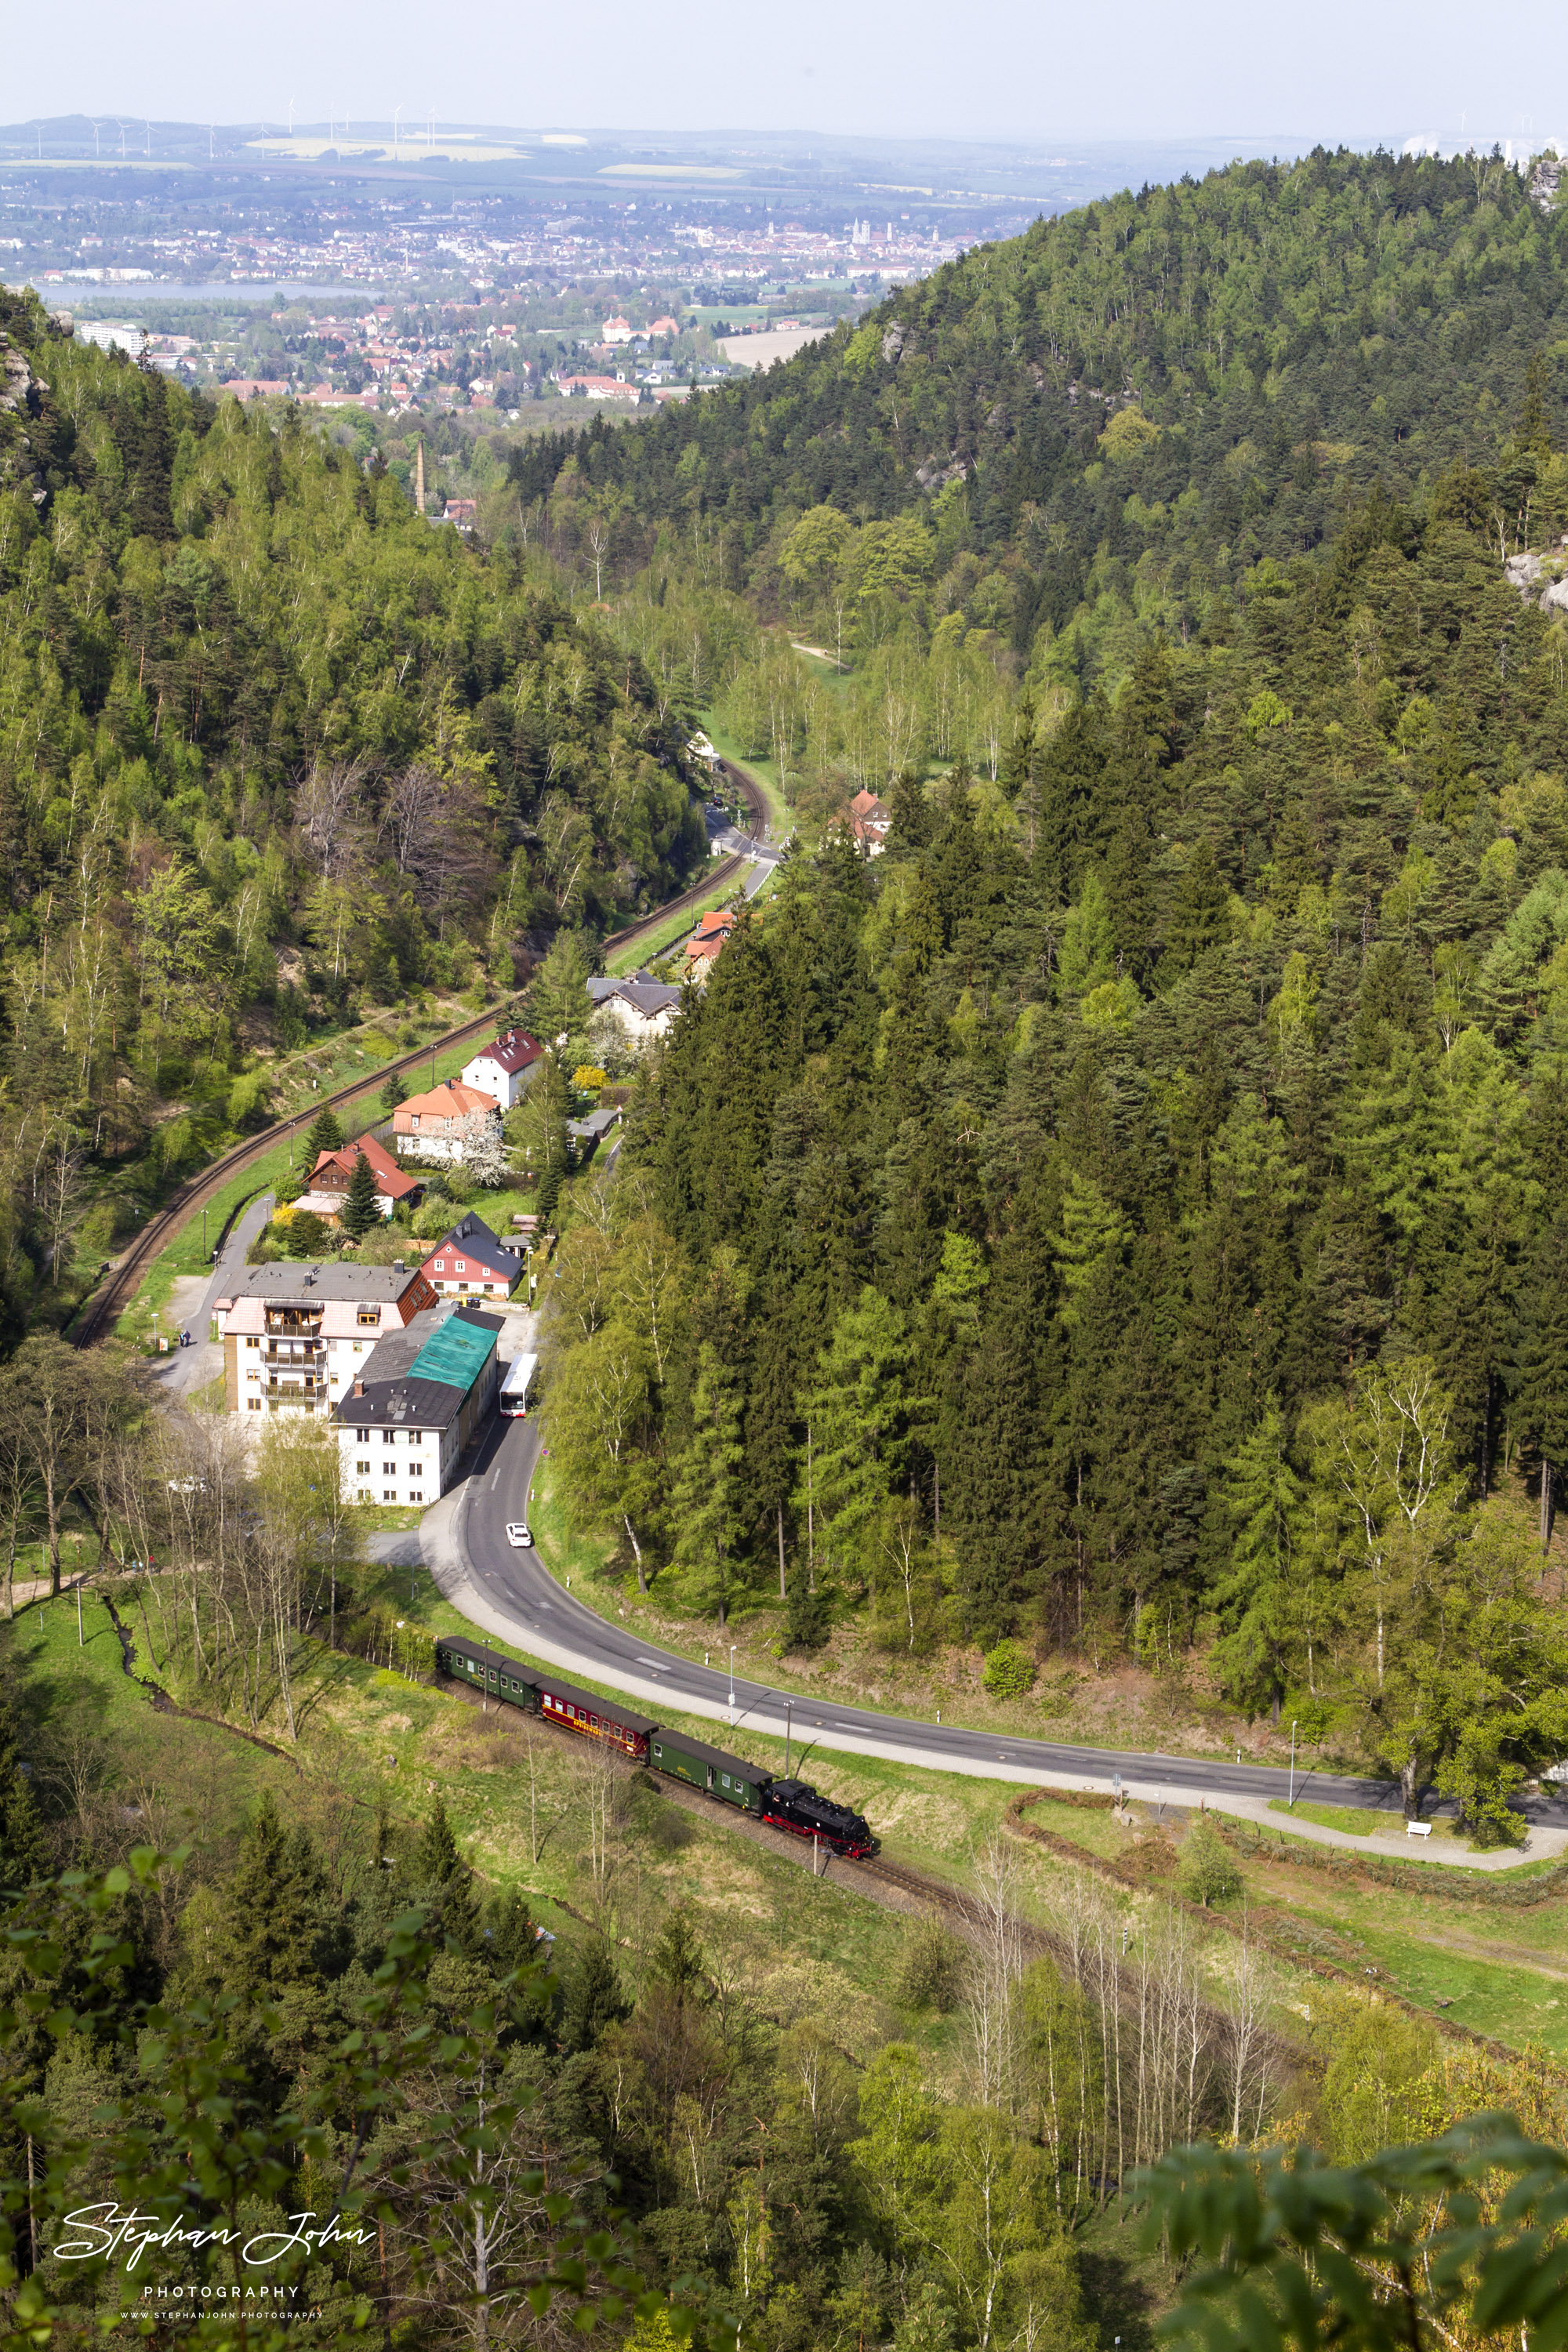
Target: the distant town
(344, 293)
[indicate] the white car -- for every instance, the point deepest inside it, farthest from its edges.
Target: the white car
(519, 1536)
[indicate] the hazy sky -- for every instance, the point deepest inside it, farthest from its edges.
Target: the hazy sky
(1339, 68)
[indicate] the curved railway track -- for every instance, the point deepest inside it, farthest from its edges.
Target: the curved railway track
(725, 871)
(159, 1230)
(120, 1286)
(643, 929)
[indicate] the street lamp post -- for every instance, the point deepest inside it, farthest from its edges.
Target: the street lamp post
(731, 1686)
(1289, 1807)
(789, 1726)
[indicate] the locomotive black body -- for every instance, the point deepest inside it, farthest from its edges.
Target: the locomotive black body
(792, 1805)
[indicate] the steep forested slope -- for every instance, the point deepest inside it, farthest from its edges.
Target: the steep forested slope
(1121, 410)
(246, 696)
(1155, 1160)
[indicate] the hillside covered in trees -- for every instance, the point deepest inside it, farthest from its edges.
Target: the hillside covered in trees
(249, 699)
(1049, 448)
(1154, 1162)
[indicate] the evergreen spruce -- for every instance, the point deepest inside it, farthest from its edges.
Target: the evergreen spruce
(448, 1887)
(360, 1211)
(24, 1850)
(324, 1134)
(272, 1906)
(678, 1963)
(594, 1999)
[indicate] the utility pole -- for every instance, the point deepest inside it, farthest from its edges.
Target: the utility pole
(1289, 1807)
(789, 1727)
(731, 1686)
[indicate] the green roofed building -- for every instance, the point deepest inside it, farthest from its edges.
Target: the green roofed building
(417, 1405)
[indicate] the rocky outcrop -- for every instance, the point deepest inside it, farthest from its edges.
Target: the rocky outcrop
(937, 472)
(892, 344)
(19, 394)
(1540, 579)
(1546, 181)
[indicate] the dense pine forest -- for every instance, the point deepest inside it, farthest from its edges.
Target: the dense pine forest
(1120, 1225)
(252, 702)
(1129, 1213)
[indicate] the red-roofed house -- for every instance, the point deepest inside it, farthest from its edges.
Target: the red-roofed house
(441, 1125)
(333, 1173)
(869, 822)
(503, 1068)
(707, 941)
(471, 1261)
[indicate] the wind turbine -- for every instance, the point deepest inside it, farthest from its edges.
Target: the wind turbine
(96, 128)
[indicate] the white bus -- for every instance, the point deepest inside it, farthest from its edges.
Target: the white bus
(514, 1388)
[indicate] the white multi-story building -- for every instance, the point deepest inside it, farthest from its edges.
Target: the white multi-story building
(503, 1068)
(416, 1405)
(295, 1336)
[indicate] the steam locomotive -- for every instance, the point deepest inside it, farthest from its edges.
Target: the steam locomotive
(789, 1804)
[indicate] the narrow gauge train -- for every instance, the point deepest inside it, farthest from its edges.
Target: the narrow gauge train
(792, 1805)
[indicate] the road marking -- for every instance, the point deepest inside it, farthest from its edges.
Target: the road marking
(654, 1663)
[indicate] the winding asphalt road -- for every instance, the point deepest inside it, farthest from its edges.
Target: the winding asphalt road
(511, 1595)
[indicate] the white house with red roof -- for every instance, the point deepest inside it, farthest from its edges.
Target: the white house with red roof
(471, 1263)
(503, 1068)
(442, 1124)
(870, 821)
(707, 942)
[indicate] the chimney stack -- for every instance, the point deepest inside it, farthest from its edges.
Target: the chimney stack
(359, 1387)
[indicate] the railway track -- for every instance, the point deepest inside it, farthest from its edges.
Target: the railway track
(725, 871)
(160, 1229)
(110, 1302)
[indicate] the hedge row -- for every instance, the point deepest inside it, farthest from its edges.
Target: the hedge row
(1340, 1862)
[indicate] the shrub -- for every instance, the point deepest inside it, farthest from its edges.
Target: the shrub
(1009, 1670)
(932, 1975)
(807, 1623)
(306, 1234)
(1208, 1874)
